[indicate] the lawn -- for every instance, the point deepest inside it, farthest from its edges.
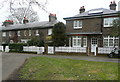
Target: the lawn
(44, 68)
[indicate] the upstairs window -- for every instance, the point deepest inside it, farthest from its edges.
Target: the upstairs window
(30, 33)
(108, 22)
(77, 24)
(18, 33)
(49, 31)
(4, 34)
(37, 32)
(25, 33)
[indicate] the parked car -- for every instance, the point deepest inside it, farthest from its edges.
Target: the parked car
(114, 53)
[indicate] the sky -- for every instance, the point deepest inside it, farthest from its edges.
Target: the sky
(63, 8)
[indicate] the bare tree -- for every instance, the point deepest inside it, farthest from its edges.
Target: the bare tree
(24, 8)
(20, 13)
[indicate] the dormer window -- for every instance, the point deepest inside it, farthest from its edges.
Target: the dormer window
(77, 24)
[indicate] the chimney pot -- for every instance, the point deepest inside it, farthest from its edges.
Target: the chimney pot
(52, 17)
(82, 9)
(113, 5)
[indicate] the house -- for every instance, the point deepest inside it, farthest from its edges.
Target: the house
(21, 33)
(91, 28)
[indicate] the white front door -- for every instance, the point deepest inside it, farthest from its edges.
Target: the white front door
(94, 44)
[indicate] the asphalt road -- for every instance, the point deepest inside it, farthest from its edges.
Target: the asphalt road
(13, 61)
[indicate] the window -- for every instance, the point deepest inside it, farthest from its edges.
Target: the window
(11, 41)
(18, 33)
(29, 32)
(49, 31)
(77, 24)
(85, 42)
(9, 33)
(109, 21)
(4, 34)
(110, 41)
(76, 41)
(25, 33)
(37, 32)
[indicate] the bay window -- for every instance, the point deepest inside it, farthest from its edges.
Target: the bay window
(110, 41)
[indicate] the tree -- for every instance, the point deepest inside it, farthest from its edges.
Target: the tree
(20, 13)
(23, 8)
(59, 34)
(115, 30)
(36, 42)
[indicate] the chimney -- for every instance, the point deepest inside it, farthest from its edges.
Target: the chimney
(25, 20)
(82, 9)
(7, 23)
(112, 5)
(52, 17)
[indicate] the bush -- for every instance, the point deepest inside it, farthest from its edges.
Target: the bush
(16, 47)
(36, 42)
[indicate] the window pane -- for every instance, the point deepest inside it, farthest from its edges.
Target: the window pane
(116, 42)
(111, 42)
(105, 42)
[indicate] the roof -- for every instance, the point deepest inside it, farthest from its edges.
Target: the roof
(34, 25)
(87, 14)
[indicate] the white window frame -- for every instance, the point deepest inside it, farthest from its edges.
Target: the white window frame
(108, 42)
(18, 32)
(85, 38)
(30, 33)
(76, 40)
(77, 24)
(4, 34)
(109, 21)
(10, 34)
(25, 32)
(37, 32)
(49, 31)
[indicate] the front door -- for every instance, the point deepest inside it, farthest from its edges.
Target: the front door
(94, 44)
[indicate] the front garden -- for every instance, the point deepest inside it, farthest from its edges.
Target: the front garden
(44, 68)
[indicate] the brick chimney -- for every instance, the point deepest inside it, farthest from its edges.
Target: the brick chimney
(52, 17)
(25, 20)
(7, 23)
(112, 5)
(82, 9)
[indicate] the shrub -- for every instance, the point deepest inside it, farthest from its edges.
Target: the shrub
(36, 42)
(16, 47)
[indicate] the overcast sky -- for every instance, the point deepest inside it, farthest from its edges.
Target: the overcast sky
(64, 8)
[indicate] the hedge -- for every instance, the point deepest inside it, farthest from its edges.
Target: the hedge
(16, 47)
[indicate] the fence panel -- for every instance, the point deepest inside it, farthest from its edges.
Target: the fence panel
(1, 48)
(102, 50)
(71, 49)
(50, 50)
(39, 50)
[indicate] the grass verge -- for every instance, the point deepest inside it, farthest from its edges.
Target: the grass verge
(44, 68)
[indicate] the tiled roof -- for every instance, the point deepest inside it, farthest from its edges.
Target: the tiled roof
(34, 25)
(88, 14)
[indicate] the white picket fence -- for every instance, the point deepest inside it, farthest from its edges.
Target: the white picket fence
(39, 50)
(106, 50)
(1, 48)
(71, 49)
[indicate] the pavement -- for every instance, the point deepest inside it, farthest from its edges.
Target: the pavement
(13, 61)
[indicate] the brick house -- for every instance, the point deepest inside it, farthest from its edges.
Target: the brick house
(92, 28)
(21, 33)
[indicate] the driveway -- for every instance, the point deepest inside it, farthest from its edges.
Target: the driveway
(13, 61)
